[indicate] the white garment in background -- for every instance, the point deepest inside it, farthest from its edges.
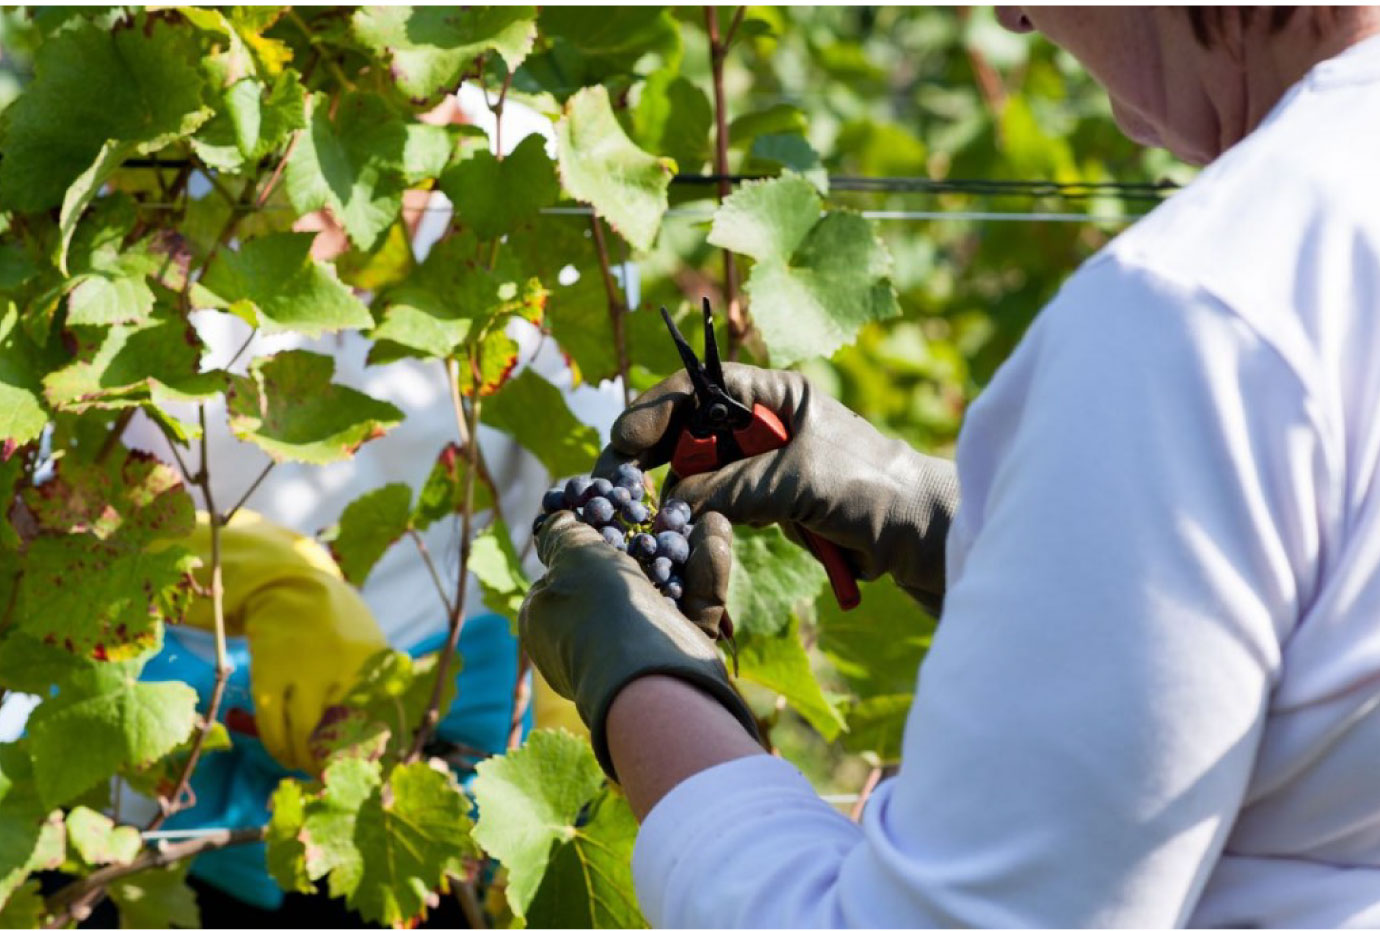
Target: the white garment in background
(1153, 697)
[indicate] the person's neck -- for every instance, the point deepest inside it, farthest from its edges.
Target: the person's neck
(1274, 63)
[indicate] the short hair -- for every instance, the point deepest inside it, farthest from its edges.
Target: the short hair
(1209, 21)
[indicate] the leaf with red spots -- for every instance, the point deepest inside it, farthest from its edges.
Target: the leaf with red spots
(100, 598)
(138, 497)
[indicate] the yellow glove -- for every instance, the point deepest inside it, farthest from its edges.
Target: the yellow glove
(309, 631)
(551, 711)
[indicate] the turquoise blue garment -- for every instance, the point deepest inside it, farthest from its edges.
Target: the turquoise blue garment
(233, 787)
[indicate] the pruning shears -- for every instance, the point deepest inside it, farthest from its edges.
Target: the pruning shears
(721, 429)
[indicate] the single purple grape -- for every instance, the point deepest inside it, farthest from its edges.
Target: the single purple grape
(643, 546)
(634, 513)
(554, 500)
(575, 490)
(619, 496)
(673, 546)
(668, 519)
(660, 570)
(614, 537)
(627, 475)
(598, 512)
(599, 487)
(675, 504)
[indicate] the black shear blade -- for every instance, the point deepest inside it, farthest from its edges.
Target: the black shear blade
(713, 368)
(690, 360)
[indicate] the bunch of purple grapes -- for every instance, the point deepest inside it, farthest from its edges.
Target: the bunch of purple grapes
(658, 538)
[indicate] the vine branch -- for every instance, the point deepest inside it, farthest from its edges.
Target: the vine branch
(171, 804)
(75, 902)
(617, 306)
(230, 514)
(718, 51)
(456, 619)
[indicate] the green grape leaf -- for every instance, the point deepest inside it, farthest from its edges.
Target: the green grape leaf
(116, 720)
(674, 117)
(530, 802)
(23, 414)
(24, 908)
(17, 266)
(99, 840)
(369, 525)
(394, 689)
(598, 45)
(426, 151)
(496, 565)
(351, 163)
(443, 493)
(877, 725)
(29, 665)
(454, 297)
(776, 119)
(157, 898)
(492, 197)
(347, 732)
(109, 282)
(160, 777)
(790, 151)
(328, 826)
(285, 853)
(390, 261)
(816, 281)
(29, 838)
(588, 883)
(102, 599)
(409, 832)
(432, 46)
(251, 121)
(531, 410)
(877, 646)
(84, 189)
(91, 86)
(601, 166)
(779, 662)
(123, 366)
(289, 408)
(274, 283)
(135, 495)
(771, 578)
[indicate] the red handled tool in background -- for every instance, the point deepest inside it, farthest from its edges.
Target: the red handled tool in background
(721, 429)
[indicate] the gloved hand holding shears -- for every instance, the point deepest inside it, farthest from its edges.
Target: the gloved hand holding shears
(763, 447)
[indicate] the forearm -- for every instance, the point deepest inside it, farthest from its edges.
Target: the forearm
(662, 731)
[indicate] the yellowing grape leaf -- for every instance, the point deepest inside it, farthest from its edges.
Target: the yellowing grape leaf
(133, 495)
(289, 408)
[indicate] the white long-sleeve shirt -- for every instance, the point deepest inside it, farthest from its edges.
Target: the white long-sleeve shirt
(1154, 697)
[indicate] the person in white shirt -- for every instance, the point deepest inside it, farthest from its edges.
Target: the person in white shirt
(1154, 694)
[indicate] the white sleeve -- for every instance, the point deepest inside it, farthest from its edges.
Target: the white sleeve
(1141, 535)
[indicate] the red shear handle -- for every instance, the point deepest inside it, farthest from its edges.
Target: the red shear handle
(764, 433)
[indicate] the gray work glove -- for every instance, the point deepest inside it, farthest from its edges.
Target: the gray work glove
(594, 622)
(885, 505)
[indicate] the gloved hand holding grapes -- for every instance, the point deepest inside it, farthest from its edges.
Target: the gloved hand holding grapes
(887, 506)
(606, 612)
